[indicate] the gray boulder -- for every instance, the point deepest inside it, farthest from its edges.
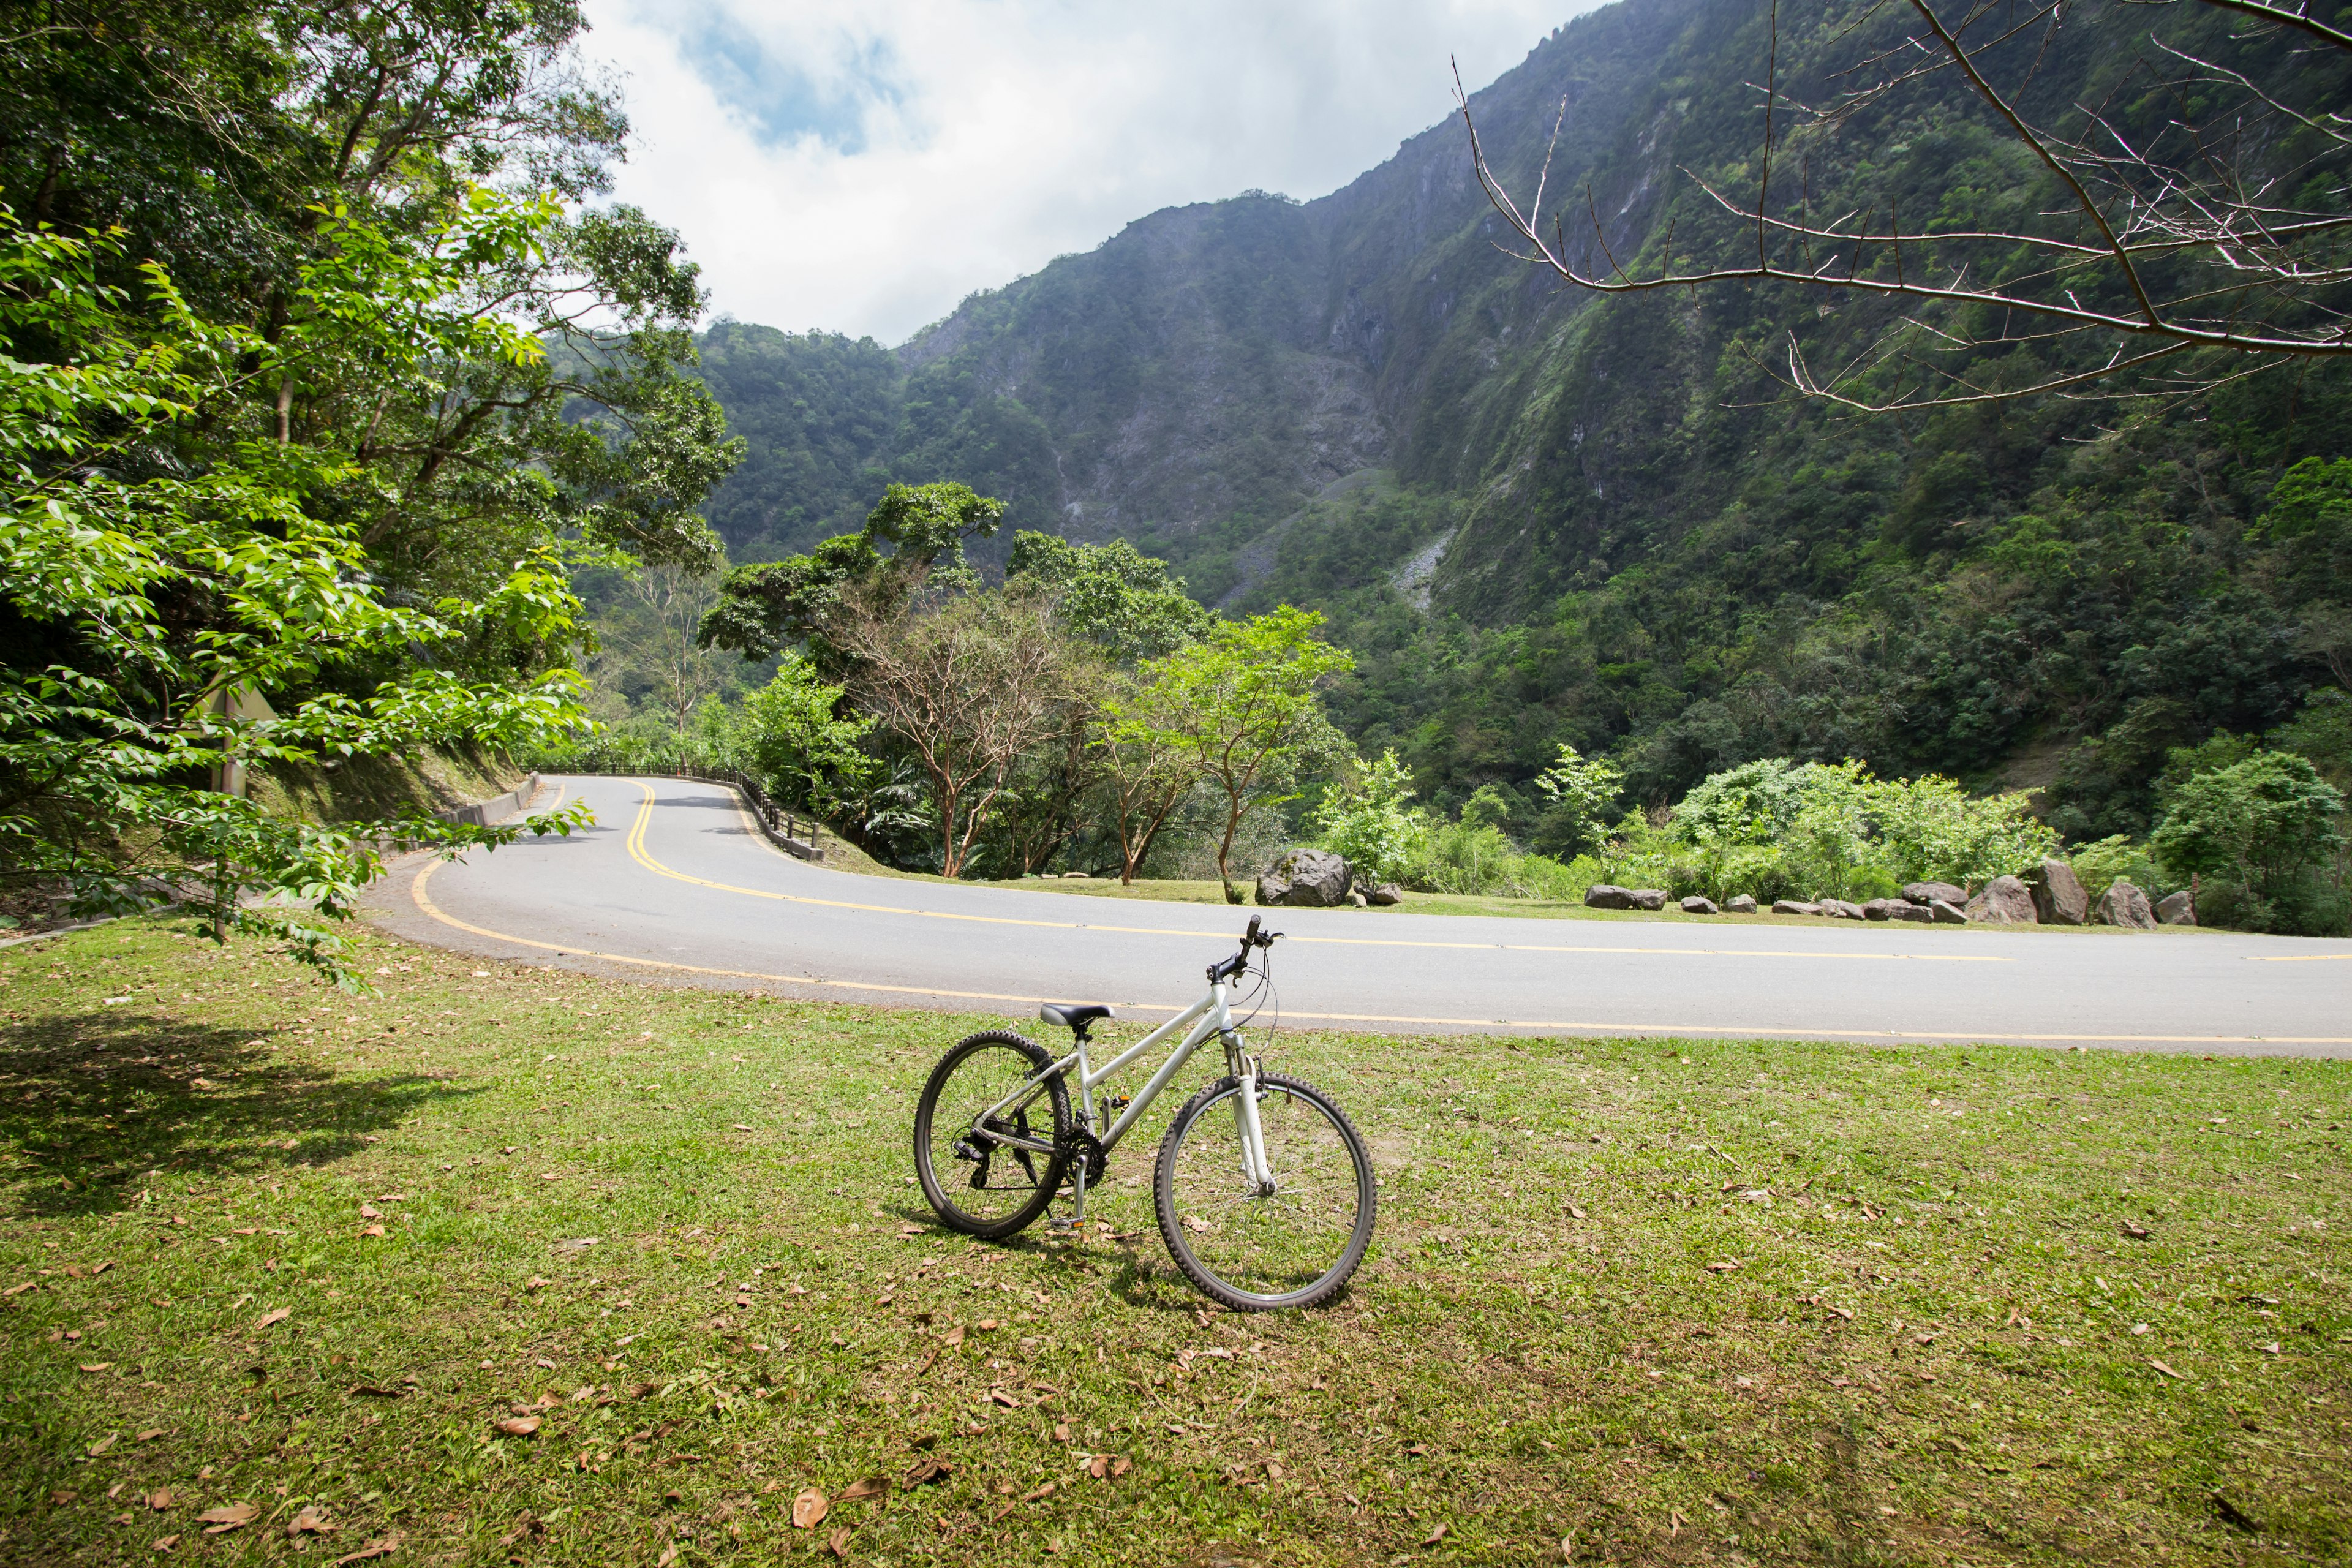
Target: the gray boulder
(2059, 899)
(1388, 893)
(1305, 879)
(1608, 896)
(1926, 893)
(1903, 910)
(2004, 900)
(1839, 910)
(1695, 905)
(1649, 898)
(2173, 910)
(1945, 912)
(1740, 904)
(1880, 908)
(2123, 904)
(1794, 906)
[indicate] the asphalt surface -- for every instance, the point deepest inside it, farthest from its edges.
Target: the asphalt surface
(675, 883)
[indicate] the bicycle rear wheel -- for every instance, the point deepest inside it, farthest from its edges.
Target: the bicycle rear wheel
(1256, 1250)
(989, 1175)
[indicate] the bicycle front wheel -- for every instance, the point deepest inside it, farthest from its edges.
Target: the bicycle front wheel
(986, 1132)
(1291, 1243)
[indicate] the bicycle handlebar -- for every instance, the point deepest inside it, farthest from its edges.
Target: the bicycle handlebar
(1226, 968)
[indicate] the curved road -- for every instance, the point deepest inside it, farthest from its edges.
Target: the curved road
(675, 882)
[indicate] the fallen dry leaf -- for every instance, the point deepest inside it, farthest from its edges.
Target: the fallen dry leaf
(534, 1283)
(102, 1445)
(95, 1366)
(2134, 1230)
(985, 1326)
(2162, 1368)
(518, 1425)
(311, 1520)
(277, 1316)
(1575, 1212)
(1061, 1431)
(871, 1487)
(928, 1471)
(383, 1546)
(1195, 1223)
(809, 1509)
(229, 1517)
(368, 1211)
(1721, 1267)
(151, 1434)
(668, 1556)
(164, 1544)
(160, 1499)
(371, 1230)
(1436, 1535)
(953, 1337)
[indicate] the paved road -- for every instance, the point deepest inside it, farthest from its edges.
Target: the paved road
(675, 882)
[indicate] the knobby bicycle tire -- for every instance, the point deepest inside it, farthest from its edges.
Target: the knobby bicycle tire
(1198, 1270)
(939, 1187)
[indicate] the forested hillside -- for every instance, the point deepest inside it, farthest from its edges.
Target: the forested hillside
(1536, 516)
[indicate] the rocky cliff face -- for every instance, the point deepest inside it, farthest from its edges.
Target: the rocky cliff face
(1200, 376)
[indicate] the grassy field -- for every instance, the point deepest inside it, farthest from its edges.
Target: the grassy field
(290, 1259)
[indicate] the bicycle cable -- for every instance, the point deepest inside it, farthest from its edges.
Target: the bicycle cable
(1261, 994)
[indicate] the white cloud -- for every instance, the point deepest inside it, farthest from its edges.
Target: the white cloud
(863, 164)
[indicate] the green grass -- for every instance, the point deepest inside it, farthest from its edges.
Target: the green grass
(1538, 1350)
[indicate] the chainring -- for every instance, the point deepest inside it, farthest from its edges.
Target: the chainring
(1085, 1146)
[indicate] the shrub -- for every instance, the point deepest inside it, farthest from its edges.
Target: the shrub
(1931, 830)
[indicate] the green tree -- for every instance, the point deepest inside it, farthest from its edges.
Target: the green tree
(1117, 597)
(773, 606)
(1147, 768)
(205, 615)
(802, 745)
(1582, 791)
(2264, 825)
(1368, 819)
(1241, 704)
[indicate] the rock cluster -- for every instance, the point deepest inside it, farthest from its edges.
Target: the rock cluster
(1317, 879)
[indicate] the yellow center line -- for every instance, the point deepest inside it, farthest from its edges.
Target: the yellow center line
(636, 847)
(423, 902)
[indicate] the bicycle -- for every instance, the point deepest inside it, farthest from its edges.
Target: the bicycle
(1270, 1209)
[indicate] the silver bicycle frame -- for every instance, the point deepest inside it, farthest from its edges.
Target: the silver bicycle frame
(1207, 1017)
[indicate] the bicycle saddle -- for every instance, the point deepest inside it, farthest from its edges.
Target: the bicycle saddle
(1072, 1015)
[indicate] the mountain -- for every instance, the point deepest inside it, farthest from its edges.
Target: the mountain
(1542, 516)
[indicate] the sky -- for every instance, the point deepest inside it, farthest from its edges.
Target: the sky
(862, 165)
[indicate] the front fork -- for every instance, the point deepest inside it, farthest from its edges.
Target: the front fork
(1256, 1167)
